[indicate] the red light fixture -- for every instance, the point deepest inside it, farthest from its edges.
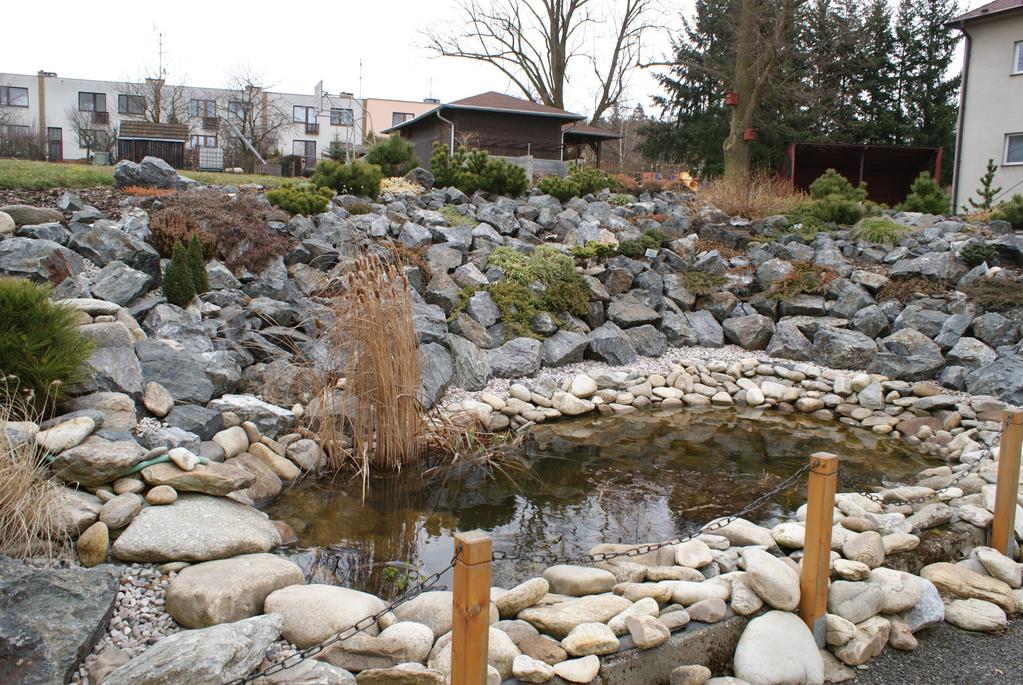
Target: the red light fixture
(749, 134)
(732, 99)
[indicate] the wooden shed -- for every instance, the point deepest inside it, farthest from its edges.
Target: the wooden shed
(138, 139)
(888, 170)
(500, 124)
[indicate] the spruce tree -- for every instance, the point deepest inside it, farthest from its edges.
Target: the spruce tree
(987, 191)
(877, 106)
(177, 285)
(197, 265)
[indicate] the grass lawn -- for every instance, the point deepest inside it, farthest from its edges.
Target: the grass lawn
(19, 173)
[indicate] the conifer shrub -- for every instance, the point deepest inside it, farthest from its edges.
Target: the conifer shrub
(593, 249)
(394, 155)
(621, 199)
(41, 351)
(833, 200)
(354, 178)
(926, 196)
(178, 286)
(306, 200)
(564, 189)
(976, 253)
(701, 283)
(652, 239)
(589, 179)
(472, 170)
(1011, 211)
(197, 266)
(996, 294)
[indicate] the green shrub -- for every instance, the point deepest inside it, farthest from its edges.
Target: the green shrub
(1011, 211)
(833, 183)
(40, 345)
(562, 188)
(995, 294)
(178, 286)
(652, 239)
(879, 230)
(307, 200)
(926, 196)
(197, 266)
(454, 217)
(589, 179)
(394, 155)
(544, 281)
(593, 249)
(354, 178)
(621, 199)
(833, 200)
(701, 283)
(472, 170)
(976, 253)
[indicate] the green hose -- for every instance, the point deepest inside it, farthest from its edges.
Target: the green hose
(162, 459)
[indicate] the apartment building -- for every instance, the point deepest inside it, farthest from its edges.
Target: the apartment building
(991, 100)
(382, 114)
(59, 118)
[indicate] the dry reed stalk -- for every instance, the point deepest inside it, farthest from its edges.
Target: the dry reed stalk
(753, 197)
(376, 352)
(31, 524)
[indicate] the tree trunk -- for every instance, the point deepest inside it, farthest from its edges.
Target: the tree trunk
(737, 150)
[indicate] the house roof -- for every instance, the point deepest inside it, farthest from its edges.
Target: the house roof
(149, 130)
(587, 131)
(492, 101)
(992, 8)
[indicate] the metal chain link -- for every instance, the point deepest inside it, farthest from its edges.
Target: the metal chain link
(863, 488)
(349, 631)
(638, 550)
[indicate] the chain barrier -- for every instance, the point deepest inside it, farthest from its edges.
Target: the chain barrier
(345, 633)
(638, 550)
(864, 488)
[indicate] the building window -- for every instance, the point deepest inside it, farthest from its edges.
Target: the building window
(202, 108)
(304, 148)
(1017, 62)
(12, 96)
(16, 130)
(92, 102)
(303, 115)
(400, 117)
(237, 108)
(131, 104)
(204, 141)
(1014, 148)
(341, 117)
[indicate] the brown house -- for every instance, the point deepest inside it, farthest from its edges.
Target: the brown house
(502, 125)
(139, 139)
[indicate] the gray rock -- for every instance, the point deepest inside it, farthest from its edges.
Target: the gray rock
(628, 310)
(927, 321)
(564, 347)
(708, 331)
(102, 244)
(940, 266)
(647, 340)
(195, 419)
(421, 176)
(995, 329)
(151, 172)
(437, 370)
(788, 342)
(909, 355)
(608, 343)
(27, 214)
(970, 353)
(752, 332)
(1002, 378)
(842, 349)
(117, 282)
(195, 528)
(851, 299)
(471, 365)
(953, 329)
(209, 656)
(51, 619)
(482, 308)
(803, 305)
(517, 358)
(270, 419)
(871, 321)
(54, 232)
(97, 461)
(176, 369)
(429, 321)
(113, 365)
(42, 261)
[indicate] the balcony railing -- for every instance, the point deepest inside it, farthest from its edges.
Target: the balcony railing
(312, 128)
(101, 117)
(211, 123)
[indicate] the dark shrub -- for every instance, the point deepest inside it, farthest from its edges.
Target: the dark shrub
(355, 178)
(562, 188)
(1011, 211)
(178, 286)
(197, 266)
(305, 199)
(589, 179)
(926, 196)
(976, 253)
(40, 346)
(394, 155)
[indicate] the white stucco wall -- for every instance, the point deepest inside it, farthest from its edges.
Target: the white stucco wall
(993, 106)
(61, 94)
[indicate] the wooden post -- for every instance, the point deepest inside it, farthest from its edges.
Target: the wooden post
(820, 505)
(1007, 489)
(470, 627)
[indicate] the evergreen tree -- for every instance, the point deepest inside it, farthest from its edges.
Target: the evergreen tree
(877, 115)
(177, 284)
(197, 265)
(831, 33)
(987, 190)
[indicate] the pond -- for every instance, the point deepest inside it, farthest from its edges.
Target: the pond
(641, 477)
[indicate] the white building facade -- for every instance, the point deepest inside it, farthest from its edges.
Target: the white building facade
(991, 101)
(60, 118)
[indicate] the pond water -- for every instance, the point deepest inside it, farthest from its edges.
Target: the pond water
(641, 477)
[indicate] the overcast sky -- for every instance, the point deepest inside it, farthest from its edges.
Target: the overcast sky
(294, 44)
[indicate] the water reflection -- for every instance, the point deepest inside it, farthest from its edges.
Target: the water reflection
(638, 478)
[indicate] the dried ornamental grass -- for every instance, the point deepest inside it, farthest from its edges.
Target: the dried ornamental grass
(396, 185)
(31, 524)
(753, 197)
(376, 352)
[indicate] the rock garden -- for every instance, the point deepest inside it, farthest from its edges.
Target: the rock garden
(176, 361)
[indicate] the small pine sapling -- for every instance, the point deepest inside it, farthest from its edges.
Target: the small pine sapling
(197, 266)
(987, 191)
(178, 286)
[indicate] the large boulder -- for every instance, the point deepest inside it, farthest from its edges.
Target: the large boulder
(609, 343)
(195, 528)
(42, 261)
(470, 364)
(119, 283)
(270, 419)
(312, 613)
(97, 461)
(102, 244)
(938, 266)
(559, 619)
(113, 366)
(151, 172)
(228, 590)
(210, 656)
(908, 355)
(1002, 378)
(437, 370)
(176, 369)
(433, 610)
(517, 358)
(564, 347)
(778, 649)
(27, 215)
(843, 349)
(751, 332)
(51, 619)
